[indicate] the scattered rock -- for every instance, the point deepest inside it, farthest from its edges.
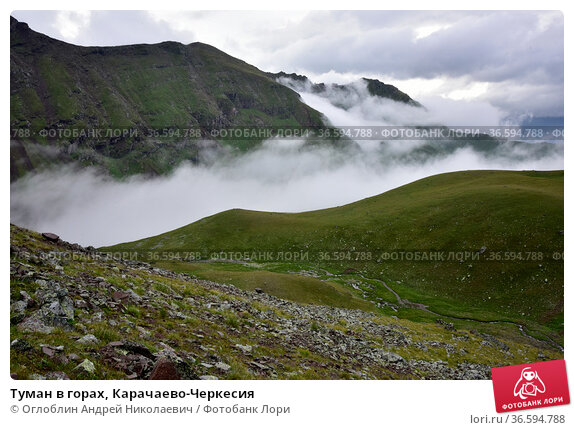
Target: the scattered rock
(446, 325)
(391, 357)
(244, 348)
(57, 375)
(85, 366)
(366, 347)
(129, 357)
(222, 366)
(208, 378)
(49, 351)
(73, 357)
(121, 296)
(18, 307)
(21, 345)
(219, 306)
(134, 296)
(88, 339)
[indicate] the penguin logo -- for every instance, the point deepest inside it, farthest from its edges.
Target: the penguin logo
(529, 384)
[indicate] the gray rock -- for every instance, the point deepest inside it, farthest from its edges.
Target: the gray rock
(244, 348)
(26, 298)
(88, 339)
(20, 345)
(220, 306)
(41, 282)
(86, 366)
(134, 295)
(44, 321)
(391, 357)
(18, 307)
(37, 377)
(57, 375)
(222, 366)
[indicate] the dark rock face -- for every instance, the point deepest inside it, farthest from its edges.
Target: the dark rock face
(375, 87)
(378, 88)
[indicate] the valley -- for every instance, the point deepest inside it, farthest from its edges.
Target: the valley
(477, 262)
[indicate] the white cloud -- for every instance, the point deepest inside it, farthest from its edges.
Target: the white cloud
(70, 23)
(472, 91)
(281, 175)
(427, 30)
(93, 210)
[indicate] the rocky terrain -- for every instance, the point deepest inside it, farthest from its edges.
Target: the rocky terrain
(80, 314)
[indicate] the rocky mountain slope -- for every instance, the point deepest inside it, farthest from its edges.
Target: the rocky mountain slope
(82, 315)
(144, 108)
(166, 86)
(374, 87)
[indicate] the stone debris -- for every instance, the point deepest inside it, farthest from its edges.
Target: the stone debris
(332, 341)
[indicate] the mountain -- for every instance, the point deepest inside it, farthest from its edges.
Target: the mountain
(166, 86)
(374, 87)
(475, 246)
(77, 314)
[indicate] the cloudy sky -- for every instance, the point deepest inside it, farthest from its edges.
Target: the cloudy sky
(510, 61)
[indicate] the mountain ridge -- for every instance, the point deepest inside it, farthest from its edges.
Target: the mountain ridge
(375, 87)
(165, 86)
(60, 93)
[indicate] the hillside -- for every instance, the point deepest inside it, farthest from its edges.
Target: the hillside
(166, 86)
(78, 314)
(374, 87)
(474, 246)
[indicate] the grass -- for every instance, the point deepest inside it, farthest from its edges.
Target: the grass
(302, 289)
(208, 334)
(516, 218)
(159, 86)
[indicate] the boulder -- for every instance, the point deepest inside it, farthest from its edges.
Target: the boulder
(86, 367)
(51, 237)
(172, 368)
(88, 339)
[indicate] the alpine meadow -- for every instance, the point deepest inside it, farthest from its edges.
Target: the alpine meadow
(179, 213)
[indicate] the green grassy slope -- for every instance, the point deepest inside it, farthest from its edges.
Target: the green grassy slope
(515, 218)
(55, 85)
(289, 286)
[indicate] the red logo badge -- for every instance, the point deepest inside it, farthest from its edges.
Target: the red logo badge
(528, 386)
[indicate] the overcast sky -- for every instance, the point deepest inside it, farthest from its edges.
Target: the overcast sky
(511, 60)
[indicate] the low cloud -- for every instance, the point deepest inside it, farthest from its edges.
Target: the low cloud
(285, 176)
(281, 175)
